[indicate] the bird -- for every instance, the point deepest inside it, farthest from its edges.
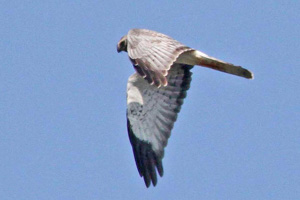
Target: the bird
(155, 92)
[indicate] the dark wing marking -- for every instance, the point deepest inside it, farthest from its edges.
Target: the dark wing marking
(151, 113)
(154, 53)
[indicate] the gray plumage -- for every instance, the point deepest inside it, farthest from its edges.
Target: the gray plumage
(151, 113)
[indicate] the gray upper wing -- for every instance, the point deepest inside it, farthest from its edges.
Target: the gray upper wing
(153, 54)
(151, 113)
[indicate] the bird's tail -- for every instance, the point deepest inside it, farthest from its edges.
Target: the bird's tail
(195, 57)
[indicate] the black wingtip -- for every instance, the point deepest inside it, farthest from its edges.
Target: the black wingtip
(147, 161)
(147, 179)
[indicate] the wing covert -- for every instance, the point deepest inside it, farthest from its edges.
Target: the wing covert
(154, 53)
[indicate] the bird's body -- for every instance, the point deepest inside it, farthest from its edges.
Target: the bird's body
(156, 92)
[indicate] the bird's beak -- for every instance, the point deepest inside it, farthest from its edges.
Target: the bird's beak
(118, 49)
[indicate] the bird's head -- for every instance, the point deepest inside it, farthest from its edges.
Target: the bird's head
(122, 44)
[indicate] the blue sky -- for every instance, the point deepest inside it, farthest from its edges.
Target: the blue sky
(63, 101)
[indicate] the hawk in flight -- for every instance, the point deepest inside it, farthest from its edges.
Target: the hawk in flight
(156, 91)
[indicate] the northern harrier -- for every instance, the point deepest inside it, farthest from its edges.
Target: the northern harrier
(156, 91)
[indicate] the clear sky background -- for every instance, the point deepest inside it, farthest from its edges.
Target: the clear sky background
(63, 101)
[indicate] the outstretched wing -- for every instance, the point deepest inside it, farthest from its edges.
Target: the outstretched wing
(151, 113)
(153, 54)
